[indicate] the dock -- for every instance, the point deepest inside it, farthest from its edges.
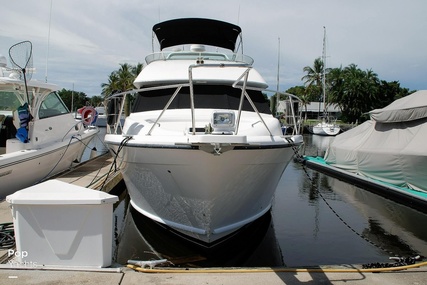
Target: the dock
(409, 197)
(127, 276)
(100, 173)
(95, 174)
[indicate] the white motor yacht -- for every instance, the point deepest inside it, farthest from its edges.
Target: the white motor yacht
(201, 152)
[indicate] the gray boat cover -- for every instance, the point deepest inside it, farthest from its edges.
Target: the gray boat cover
(391, 147)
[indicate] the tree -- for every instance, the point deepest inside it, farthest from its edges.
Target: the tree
(301, 93)
(354, 90)
(122, 80)
(137, 69)
(96, 100)
(79, 99)
(112, 86)
(297, 91)
(390, 91)
(313, 80)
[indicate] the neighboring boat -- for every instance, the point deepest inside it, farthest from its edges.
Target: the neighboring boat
(201, 151)
(389, 148)
(39, 139)
(327, 125)
(114, 113)
(101, 120)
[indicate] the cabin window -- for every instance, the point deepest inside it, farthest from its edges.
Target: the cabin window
(205, 96)
(52, 106)
(8, 101)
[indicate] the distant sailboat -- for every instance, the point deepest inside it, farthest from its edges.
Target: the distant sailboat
(327, 125)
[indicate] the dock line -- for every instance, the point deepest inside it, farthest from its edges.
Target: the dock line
(64, 268)
(275, 270)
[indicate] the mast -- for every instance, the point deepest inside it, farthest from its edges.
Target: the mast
(324, 72)
(278, 71)
(48, 41)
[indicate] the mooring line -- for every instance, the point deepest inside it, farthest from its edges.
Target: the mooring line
(400, 260)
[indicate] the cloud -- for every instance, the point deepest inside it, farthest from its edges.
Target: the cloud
(89, 39)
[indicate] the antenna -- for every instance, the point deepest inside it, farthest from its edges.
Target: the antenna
(238, 15)
(324, 70)
(48, 40)
(278, 76)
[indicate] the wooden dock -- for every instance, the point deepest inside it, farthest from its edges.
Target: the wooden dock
(98, 173)
(95, 173)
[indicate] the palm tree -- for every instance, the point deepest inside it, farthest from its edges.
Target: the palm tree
(137, 69)
(122, 80)
(335, 80)
(354, 90)
(110, 87)
(302, 94)
(313, 79)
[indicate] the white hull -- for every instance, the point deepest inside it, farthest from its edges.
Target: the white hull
(204, 185)
(201, 151)
(25, 168)
(101, 117)
(205, 196)
(325, 129)
(39, 139)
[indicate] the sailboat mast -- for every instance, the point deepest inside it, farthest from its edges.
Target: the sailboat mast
(278, 75)
(48, 41)
(324, 72)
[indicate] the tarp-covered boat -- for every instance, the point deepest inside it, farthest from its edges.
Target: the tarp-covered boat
(390, 147)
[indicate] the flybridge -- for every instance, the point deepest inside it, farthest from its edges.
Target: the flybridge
(201, 56)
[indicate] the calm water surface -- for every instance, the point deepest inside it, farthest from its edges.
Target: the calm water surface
(301, 229)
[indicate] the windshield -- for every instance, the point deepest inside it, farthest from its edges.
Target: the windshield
(8, 101)
(51, 106)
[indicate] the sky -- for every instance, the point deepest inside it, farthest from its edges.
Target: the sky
(77, 44)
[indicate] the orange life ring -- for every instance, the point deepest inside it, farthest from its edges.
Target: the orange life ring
(89, 115)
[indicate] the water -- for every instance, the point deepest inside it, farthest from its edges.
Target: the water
(301, 230)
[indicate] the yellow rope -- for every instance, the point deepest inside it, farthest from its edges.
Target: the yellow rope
(266, 270)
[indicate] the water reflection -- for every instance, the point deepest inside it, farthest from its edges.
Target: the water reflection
(317, 145)
(396, 227)
(301, 229)
(144, 239)
(386, 240)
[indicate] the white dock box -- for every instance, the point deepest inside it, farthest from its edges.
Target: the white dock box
(59, 224)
